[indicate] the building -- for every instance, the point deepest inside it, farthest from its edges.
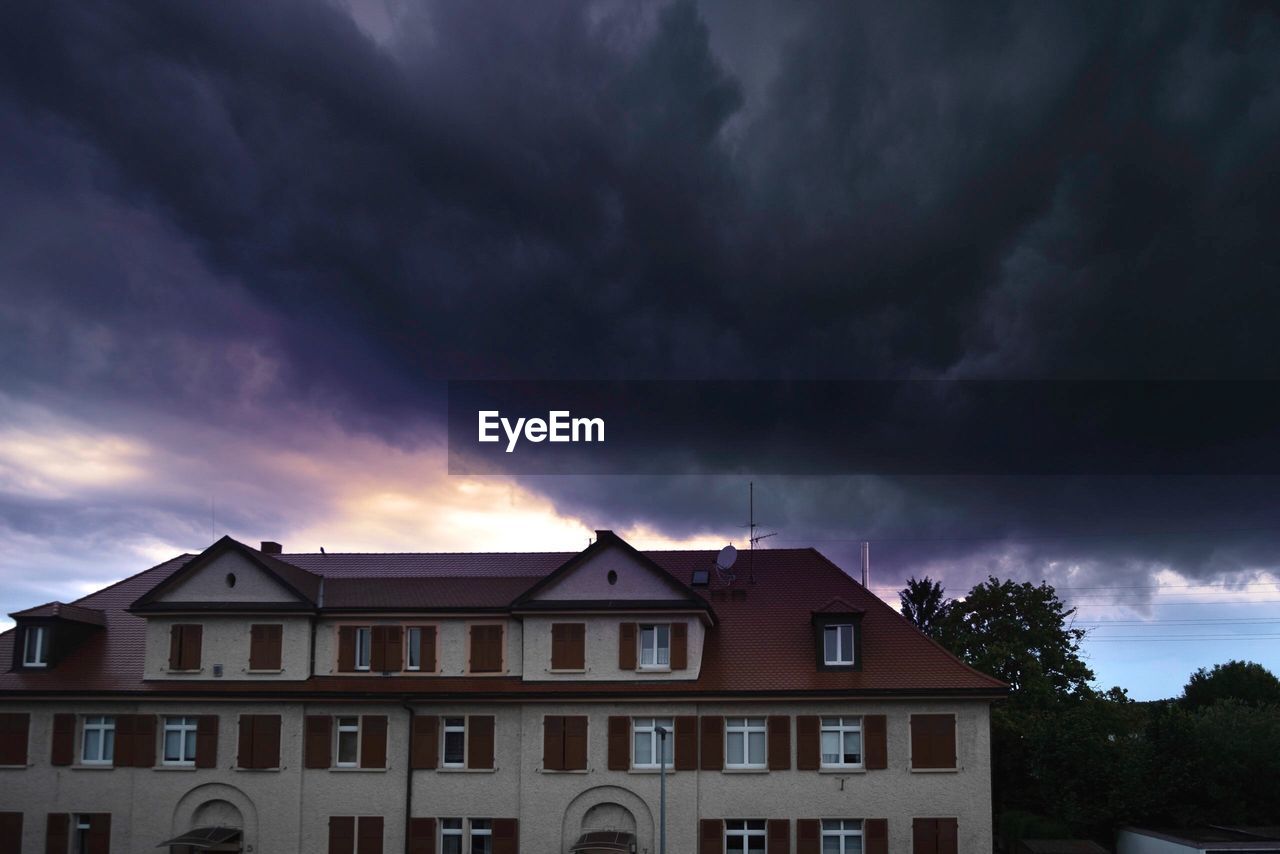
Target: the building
(1206, 839)
(248, 700)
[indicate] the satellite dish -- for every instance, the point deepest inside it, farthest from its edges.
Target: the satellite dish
(727, 556)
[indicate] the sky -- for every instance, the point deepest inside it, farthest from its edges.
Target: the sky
(243, 247)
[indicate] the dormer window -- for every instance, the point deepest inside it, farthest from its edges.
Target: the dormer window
(655, 645)
(35, 647)
(837, 644)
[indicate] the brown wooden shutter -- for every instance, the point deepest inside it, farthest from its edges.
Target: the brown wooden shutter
(122, 755)
(144, 741)
(342, 834)
(346, 649)
(686, 746)
(317, 750)
(568, 646)
(933, 741)
(808, 742)
(395, 649)
(506, 836)
(265, 642)
(422, 836)
(627, 646)
(373, 741)
(875, 747)
(710, 836)
(779, 742)
(619, 743)
(778, 834)
(64, 738)
(57, 834)
(553, 743)
(425, 746)
(486, 649)
(808, 836)
(244, 751)
(14, 731)
(575, 743)
(924, 836)
(480, 741)
(427, 651)
(378, 649)
(11, 832)
(712, 743)
(99, 833)
(679, 646)
(266, 741)
(369, 834)
(175, 647)
(207, 741)
(948, 836)
(875, 836)
(190, 642)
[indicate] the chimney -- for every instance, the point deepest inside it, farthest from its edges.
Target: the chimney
(270, 548)
(866, 564)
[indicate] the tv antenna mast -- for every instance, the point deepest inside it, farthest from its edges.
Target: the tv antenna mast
(752, 536)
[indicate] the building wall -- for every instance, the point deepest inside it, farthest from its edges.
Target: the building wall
(288, 810)
(225, 641)
(632, 580)
(210, 584)
(452, 642)
(602, 649)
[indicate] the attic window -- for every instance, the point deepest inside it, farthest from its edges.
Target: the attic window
(612, 576)
(701, 577)
(231, 579)
(35, 647)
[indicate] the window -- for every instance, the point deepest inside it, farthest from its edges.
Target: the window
(744, 743)
(413, 659)
(837, 644)
(84, 824)
(647, 741)
(744, 837)
(363, 646)
(841, 742)
(348, 742)
(99, 745)
(481, 836)
(655, 646)
(35, 650)
(450, 836)
(841, 836)
(455, 742)
(179, 741)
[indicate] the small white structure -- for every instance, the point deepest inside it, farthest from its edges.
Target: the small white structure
(1209, 839)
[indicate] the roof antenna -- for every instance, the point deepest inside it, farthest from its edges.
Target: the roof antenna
(322, 550)
(752, 537)
(866, 564)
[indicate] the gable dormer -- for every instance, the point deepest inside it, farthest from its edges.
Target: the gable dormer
(837, 636)
(229, 577)
(610, 612)
(48, 633)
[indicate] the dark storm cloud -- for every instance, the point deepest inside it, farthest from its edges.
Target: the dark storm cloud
(243, 213)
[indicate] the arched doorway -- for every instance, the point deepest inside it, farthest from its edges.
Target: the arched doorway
(610, 810)
(217, 818)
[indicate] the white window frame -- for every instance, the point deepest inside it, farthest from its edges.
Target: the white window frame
(413, 648)
(103, 725)
(447, 829)
(364, 647)
(842, 656)
(338, 730)
(444, 741)
(743, 830)
(650, 726)
(841, 725)
(845, 830)
(40, 647)
(182, 726)
(745, 727)
(656, 650)
(475, 829)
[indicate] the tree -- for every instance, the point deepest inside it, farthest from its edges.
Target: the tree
(924, 603)
(1236, 680)
(1018, 633)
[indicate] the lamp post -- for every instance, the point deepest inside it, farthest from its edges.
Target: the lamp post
(662, 790)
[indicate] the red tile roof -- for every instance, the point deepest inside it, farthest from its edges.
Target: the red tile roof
(63, 611)
(762, 644)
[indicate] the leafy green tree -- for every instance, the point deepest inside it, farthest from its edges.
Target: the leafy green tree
(924, 603)
(1018, 633)
(1236, 680)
